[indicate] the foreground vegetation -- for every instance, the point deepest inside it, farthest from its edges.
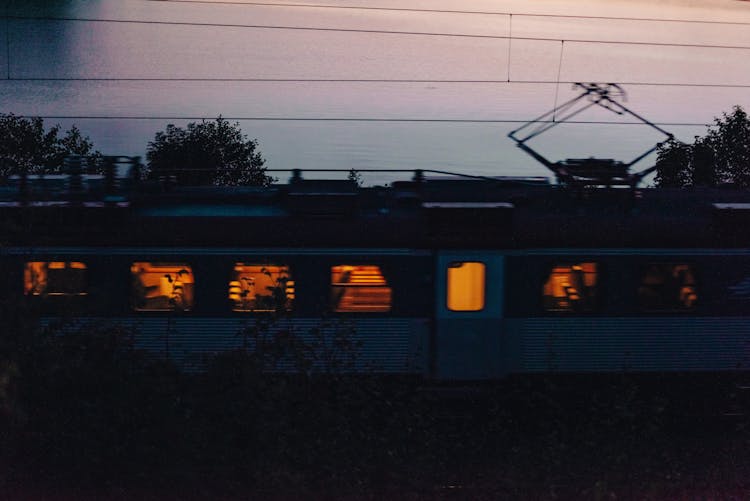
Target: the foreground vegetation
(213, 152)
(86, 415)
(721, 157)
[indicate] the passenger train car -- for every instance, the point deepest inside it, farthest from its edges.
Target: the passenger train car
(451, 278)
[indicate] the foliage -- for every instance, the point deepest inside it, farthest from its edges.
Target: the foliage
(94, 414)
(721, 156)
(355, 176)
(25, 146)
(214, 152)
(101, 417)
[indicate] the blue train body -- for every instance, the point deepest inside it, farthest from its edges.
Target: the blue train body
(445, 279)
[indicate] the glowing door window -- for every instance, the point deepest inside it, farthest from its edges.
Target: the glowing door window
(466, 286)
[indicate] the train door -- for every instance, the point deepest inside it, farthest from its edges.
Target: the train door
(469, 313)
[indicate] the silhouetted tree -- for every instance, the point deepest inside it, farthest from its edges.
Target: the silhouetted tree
(355, 176)
(25, 146)
(214, 152)
(721, 156)
(673, 164)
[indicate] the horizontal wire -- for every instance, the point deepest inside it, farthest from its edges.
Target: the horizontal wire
(450, 11)
(383, 32)
(251, 26)
(349, 80)
(352, 119)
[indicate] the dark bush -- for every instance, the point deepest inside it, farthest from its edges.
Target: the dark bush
(83, 407)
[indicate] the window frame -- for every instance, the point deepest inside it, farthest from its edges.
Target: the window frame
(641, 270)
(598, 300)
(187, 263)
(291, 301)
(388, 284)
(46, 296)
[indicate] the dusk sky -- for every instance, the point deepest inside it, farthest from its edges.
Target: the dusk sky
(423, 84)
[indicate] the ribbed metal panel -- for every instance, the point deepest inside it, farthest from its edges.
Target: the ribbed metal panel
(633, 344)
(387, 345)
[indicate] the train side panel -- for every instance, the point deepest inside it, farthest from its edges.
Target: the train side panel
(637, 344)
(375, 324)
(654, 311)
(469, 315)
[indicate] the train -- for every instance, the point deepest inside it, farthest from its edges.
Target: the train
(445, 278)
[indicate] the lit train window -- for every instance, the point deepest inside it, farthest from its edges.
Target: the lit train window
(571, 287)
(54, 278)
(254, 287)
(359, 288)
(466, 286)
(667, 287)
(162, 286)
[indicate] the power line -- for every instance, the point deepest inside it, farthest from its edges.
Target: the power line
(380, 32)
(353, 80)
(252, 26)
(510, 44)
(559, 70)
(7, 46)
(451, 11)
(354, 119)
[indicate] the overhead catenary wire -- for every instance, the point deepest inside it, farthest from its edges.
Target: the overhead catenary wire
(559, 71)
(456, 11)
(510, 43)
(7, 47)
(351, 80)
(357, 80)
(10, 77)
(380, 32)
(351, 119)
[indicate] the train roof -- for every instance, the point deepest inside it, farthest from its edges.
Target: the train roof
(444, 212)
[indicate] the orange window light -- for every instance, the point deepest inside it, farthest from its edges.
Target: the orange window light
(359, 288)
(256, 287)
(162, 286)
(54, 278)
(466, 286)
(667, 287)
(571, 287)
